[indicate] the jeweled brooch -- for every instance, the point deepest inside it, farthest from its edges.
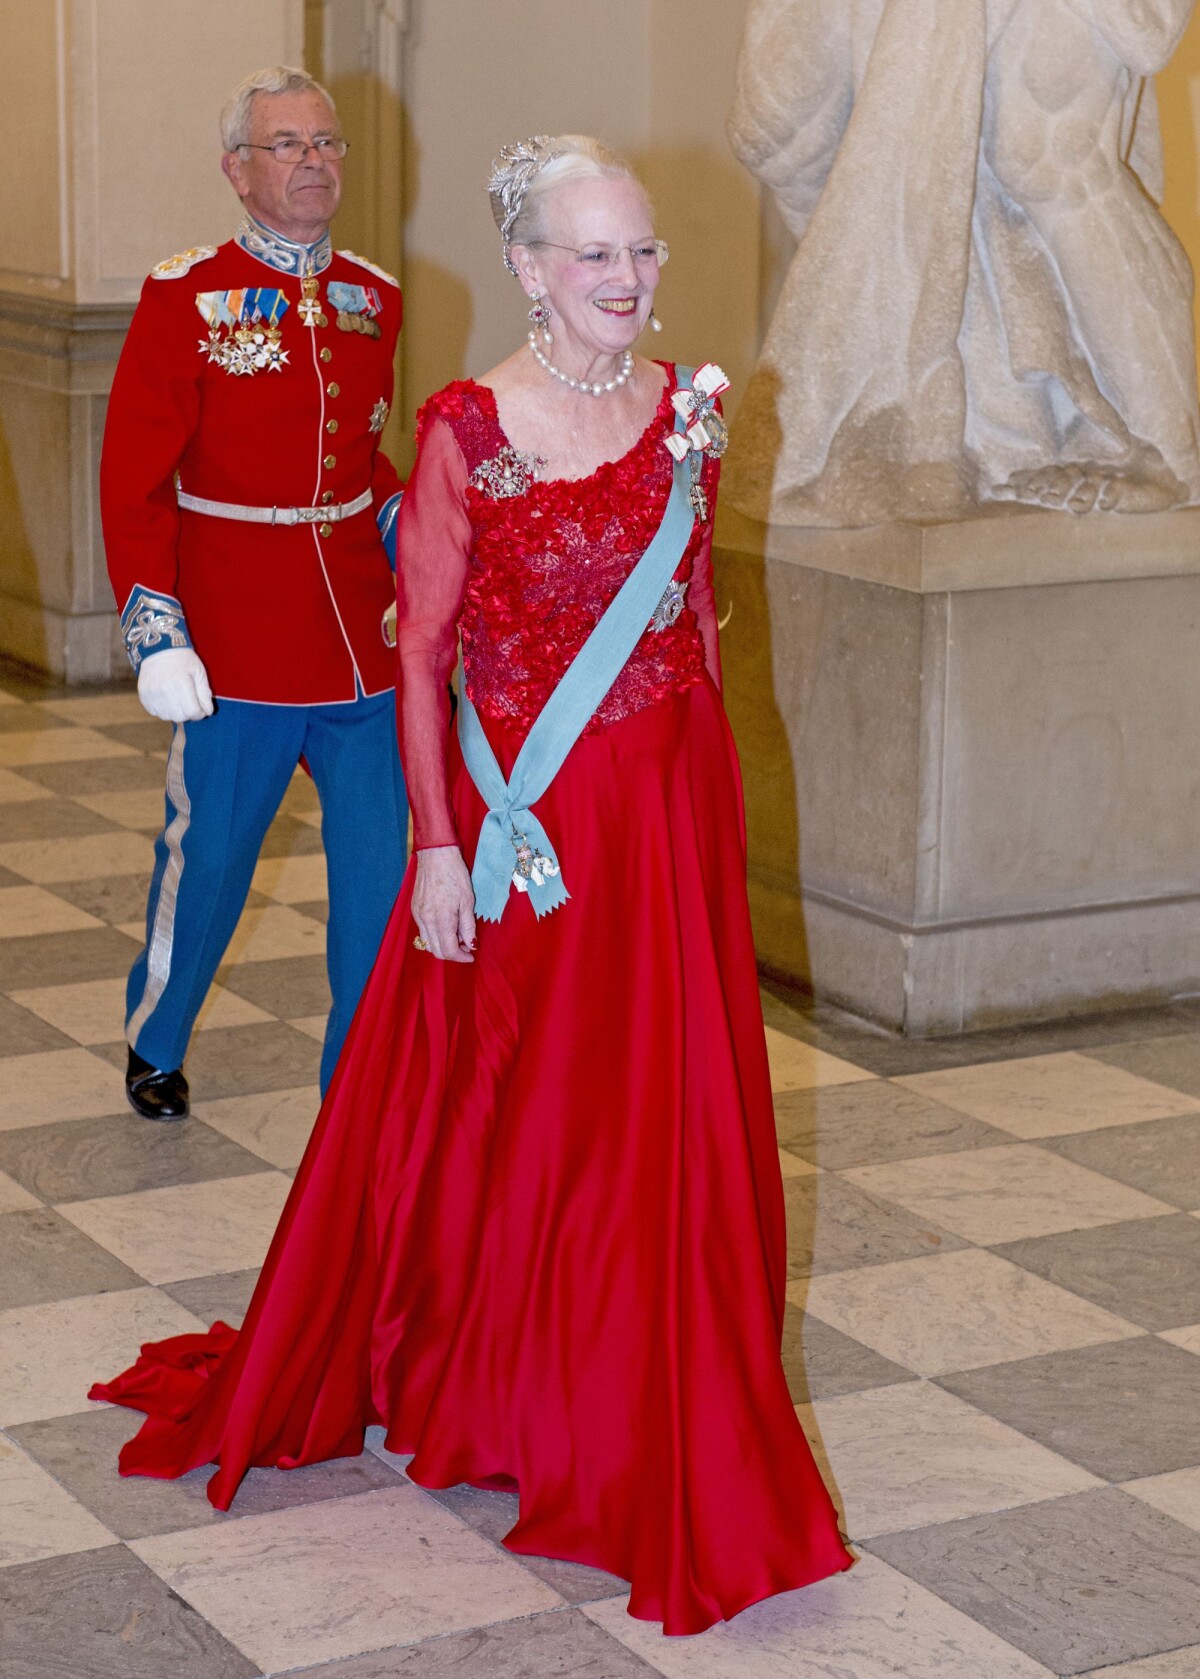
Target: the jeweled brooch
(704, 431)
(507, 473)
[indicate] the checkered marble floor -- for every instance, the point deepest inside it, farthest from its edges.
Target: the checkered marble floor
(993, 1334)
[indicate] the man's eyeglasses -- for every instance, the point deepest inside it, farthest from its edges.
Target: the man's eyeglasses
(651, 253)
(327, 148)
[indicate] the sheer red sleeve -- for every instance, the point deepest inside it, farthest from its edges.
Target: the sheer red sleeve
(433, 547)
(701, 594)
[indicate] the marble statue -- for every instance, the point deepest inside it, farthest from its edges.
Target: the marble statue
(985, 303)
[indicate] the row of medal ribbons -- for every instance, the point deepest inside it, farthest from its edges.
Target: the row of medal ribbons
(250, 317)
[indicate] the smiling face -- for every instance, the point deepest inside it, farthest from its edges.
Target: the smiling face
(296, 199)
(597, 312)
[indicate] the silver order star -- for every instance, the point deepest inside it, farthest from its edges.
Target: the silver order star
(379, 415)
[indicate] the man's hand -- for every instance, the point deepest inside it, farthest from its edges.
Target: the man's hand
(173, 685)
(444, 904)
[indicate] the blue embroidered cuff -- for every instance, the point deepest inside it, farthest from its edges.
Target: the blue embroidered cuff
(386, 520)
(151, 623)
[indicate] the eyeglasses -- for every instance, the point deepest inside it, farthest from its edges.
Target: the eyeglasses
(651, 253)
(327, 148)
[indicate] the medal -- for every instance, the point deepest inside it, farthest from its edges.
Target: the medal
(249, 346)
(356, 308)
(310, 303)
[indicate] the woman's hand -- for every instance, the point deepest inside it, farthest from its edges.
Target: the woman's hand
(443, 904)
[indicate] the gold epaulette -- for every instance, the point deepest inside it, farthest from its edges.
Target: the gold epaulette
(373, 268)
(173, 267)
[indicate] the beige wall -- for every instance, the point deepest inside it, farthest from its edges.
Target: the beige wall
(1179, 107)
(112, 106)
(115, 103)
(654, 78)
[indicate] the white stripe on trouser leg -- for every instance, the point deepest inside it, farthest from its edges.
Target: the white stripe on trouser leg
(162, 939)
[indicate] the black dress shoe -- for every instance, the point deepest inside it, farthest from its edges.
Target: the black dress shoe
(155, 1094)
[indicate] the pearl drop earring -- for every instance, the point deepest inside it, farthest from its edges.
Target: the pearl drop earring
(541, 317)
(654, 320)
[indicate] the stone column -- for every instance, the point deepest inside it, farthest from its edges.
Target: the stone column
(113, 105)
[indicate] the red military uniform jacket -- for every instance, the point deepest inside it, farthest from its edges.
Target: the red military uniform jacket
(283, 614)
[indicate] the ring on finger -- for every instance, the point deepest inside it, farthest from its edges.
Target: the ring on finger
(420, 944)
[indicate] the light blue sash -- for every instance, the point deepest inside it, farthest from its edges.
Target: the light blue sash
(513, 845)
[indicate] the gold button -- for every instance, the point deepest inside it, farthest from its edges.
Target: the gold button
(326, 354)
(327, 496)
(326, 530)
(330, 462)
(331, 425)
(334, 388)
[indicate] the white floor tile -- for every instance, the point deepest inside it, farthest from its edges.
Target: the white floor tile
(143, 808)
(1176, 1664)
(312, 1025)
(58, 1084)
(1188, 1339)
(26, 911)
(14, 1199)
(870, 1623)
(58, 746)
(86, 858)
(956, 1311)
(15, 790)
(274, 931)
(274, 1124)
(50, 1355)
(100, 710)
(1006, 1193)
(911, 1456)
(1050, 1095)
(1177, 1495)
(37, 1518)
(797, 1066)
(93, 1011)
(292, 880)
(332, 1580)
(187, 1230)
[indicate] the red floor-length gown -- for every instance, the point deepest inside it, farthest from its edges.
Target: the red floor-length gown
(539, 1229)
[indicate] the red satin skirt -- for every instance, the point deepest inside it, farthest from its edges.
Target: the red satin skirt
(538, 1232)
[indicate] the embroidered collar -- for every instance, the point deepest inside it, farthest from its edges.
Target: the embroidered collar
(283, 254)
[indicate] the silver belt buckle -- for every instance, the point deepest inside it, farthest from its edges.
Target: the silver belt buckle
(309, 515)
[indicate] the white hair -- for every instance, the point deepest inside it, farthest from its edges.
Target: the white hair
(521, 183)
(278, 78)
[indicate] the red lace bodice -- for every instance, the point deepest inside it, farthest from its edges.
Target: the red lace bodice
(525, 577)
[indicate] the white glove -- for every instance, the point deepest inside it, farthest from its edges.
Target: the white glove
(173, 685)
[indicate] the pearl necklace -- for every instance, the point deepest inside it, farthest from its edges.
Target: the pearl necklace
(582, 384)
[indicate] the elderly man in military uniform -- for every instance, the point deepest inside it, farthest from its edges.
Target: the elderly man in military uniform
(247, 511)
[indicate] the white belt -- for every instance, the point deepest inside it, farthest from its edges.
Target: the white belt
(336, 510)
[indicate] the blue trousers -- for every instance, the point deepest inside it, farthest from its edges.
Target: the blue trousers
(226, 776)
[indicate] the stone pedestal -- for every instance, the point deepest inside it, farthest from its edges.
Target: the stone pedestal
(56, 365)
(972, 760)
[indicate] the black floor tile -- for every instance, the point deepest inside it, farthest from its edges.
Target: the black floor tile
(36, 819)
(24, 1033)
(105, 1615)
(1161, 1157)
(43, 1257)
(62, 958)
(81, 1452)
(1121, 1410)
(1077, 1583)
(226, 1296)
(78, 1160)
(1146, 1270)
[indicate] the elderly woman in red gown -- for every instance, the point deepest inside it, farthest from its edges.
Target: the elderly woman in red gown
(538, 1233)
